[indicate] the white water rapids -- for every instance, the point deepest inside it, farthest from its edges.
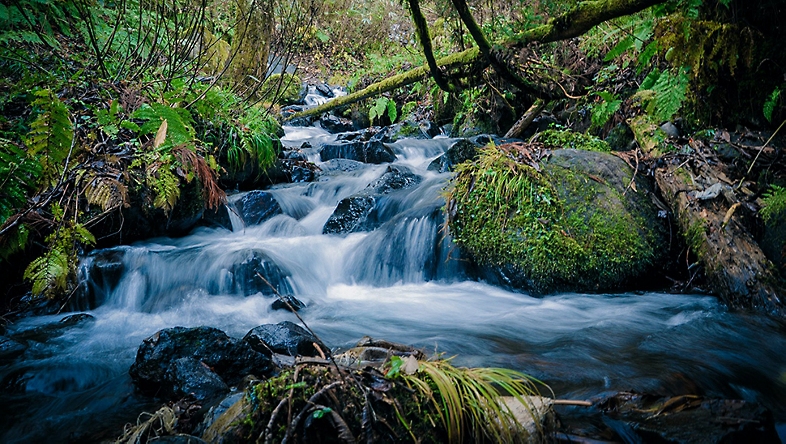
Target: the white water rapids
(400, 282)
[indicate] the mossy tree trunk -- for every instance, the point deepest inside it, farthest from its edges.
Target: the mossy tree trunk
(251, 45)
(573, 23)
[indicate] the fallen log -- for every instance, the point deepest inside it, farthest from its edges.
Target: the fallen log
(734, 264)
(573, 23)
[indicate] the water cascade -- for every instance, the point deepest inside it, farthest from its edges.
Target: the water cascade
(398, 278)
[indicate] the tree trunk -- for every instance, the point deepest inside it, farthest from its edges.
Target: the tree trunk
(526, 119)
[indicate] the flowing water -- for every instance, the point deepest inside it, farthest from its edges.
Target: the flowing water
(401, 282)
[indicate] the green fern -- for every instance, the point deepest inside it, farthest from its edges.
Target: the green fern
(13, 241)
(51, 273)
(774, 203)
(180, 125)
(18, 176)
(51, 134)
(770, 103)
(663, 93)
(167, 189)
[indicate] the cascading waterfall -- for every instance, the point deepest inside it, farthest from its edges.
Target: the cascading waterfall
(402, 281)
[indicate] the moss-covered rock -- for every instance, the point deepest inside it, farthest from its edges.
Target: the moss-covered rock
(284, 89)
(556, 220)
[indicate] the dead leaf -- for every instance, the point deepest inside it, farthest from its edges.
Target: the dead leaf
(410, 366)
(160, 134)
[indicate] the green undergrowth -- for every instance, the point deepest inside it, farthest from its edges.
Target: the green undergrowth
(406, 401)
(556, 229)
(572, 139)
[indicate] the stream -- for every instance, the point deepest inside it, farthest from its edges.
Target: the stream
(401, 282)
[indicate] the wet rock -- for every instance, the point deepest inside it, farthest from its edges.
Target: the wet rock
(411, 129)
(288, 171)
(356, 213)
(538, 125)
(100, 272)
(670, 129)
(295, 154)
(285, 302)
(325, 90)
(334, 124)
(375, 352)
(687, 419)
(349, 215)
(230, 426)
(217, 410)
(217, 217)
(76, 319)
(10, 349)
(188, 376)
(229, 358)
(246, 279)
(285, 338)
(367, 152)
(459, 152)
(341, 165)
(609, 239)
(257, 206)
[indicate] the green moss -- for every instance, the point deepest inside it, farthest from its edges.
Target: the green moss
(694, 237)
(511, 216)
(572, 139)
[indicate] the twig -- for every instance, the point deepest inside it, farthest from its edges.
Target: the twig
(309, 403)
(571, 402)
(759, 154)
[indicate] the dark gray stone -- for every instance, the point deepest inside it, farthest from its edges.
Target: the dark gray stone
(334, 124)
(257, 263)
(285, 338)
(367, 152)
(217, 217)
(621, 138)
(285, 302)
(229, 358)
(460, 151)
(188, 376)
(76, 319)
(356, 213)
(257, 206)
(180, 438)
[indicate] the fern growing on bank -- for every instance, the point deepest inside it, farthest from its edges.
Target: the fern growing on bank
(52, 273)
(50, 137)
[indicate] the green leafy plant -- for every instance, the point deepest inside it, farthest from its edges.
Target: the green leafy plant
(774, 203)
(771, 103)
(383, 106)
(663, 93)
(52, 273)
(602, 111)
(51, 134)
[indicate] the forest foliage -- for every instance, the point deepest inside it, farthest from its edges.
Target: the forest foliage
(108, 105)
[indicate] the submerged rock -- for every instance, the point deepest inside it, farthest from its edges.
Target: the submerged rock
(334, 124)
(285, 338)
(10, 349)
(287, 301)
(357, 212)
(229, 358)
(367, 152)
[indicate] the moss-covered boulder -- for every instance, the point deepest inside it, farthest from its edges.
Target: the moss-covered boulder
(556, 220)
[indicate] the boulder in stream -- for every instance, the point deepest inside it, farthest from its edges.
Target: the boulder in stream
(367, 152)
(285, 338)
(246, 275)
(10, 349)
(356, 212)
(257, 206)
(188, 376)
(156, 368)
(558, 220)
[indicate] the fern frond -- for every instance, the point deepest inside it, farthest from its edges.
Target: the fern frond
(49, 273)
(19, 175)
(106, 192)
(167, 188)
(50, 133)
(180, 125)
